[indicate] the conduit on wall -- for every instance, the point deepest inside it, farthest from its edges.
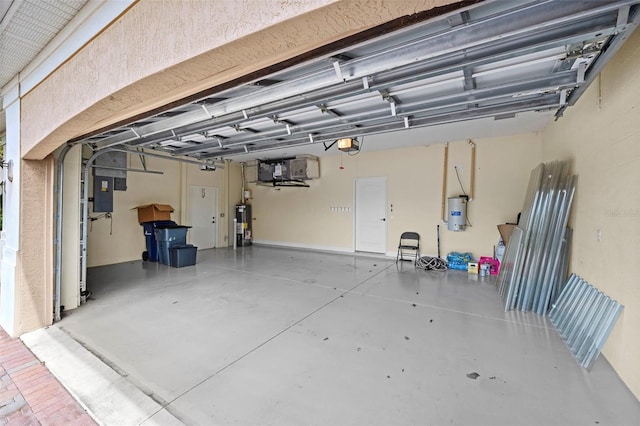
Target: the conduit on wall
(472, 179)
(444, 179)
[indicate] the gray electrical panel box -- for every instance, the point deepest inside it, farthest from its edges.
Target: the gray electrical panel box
(102, 194)
(119, 184)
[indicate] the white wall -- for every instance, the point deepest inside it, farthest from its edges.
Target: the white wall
(11, 218)
(303, 216)
(600, 135)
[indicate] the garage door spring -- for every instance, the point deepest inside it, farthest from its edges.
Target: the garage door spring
(429, 263)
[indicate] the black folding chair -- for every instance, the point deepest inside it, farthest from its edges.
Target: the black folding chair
(409, 245)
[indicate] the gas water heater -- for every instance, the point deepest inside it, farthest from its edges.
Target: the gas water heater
(457, 214)
(243, 225)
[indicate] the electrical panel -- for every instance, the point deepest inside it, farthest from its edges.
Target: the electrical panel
(119, 184)
(102, 194)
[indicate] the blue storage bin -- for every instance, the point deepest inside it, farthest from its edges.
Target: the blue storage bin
(183, 255)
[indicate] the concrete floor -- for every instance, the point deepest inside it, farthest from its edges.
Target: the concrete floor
(276, 336)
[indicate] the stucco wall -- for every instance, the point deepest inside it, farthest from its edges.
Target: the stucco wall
(303, 216)
(35, 269)
(601, 137)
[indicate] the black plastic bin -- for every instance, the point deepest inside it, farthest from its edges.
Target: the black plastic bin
(150, 238)
(169, 236)
(182, 255)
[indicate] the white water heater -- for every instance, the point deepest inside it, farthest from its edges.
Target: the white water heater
(457, 214)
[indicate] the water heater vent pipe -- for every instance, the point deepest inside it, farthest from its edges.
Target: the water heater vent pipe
(472, 182)
(242, 176)
(444, 180)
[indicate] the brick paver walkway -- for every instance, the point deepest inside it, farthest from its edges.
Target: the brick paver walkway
(30, 394)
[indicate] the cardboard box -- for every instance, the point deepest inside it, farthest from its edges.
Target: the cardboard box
(153, 212)
(505, 231)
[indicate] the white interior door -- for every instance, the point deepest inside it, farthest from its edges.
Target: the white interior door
(371, 218)
(204, 214)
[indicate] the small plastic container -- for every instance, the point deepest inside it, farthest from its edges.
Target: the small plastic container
(484, 269)
(494, 264)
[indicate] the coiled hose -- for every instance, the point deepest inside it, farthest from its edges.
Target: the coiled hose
(429, 263)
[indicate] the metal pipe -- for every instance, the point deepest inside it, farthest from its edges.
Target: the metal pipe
(444, 179)
(473, 170)
(126, 169)
(58, 240)
(216, 164)
(242, 189)
(235, 232)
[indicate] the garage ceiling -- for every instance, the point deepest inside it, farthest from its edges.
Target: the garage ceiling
(26, 28)
(496, 64)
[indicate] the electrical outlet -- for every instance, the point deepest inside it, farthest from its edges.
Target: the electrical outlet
(599, 235)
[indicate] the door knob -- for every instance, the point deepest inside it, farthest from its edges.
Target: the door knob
(384, 219)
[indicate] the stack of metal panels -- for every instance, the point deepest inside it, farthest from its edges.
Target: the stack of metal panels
(536, 260)
(584, 316)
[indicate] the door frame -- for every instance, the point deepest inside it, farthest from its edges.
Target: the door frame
(216, 213)
(355, 213)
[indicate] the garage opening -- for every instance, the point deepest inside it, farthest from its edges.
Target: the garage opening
(304, 309)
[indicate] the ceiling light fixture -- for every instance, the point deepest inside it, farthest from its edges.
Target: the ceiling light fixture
(348, 144)
(344, 145)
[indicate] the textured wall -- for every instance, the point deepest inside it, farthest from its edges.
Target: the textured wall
(35, 277)
(163, 51)
(414, 187)
(601, 137)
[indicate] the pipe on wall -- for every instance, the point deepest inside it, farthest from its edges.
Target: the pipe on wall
(444, 180)
(472, 182)
(242, 176)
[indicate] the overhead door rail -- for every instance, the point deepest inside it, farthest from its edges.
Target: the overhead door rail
(492, 59)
